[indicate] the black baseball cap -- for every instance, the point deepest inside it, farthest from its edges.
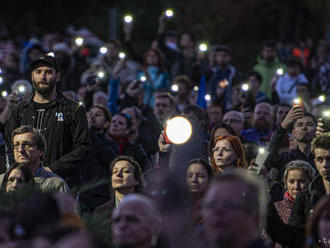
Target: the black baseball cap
(44, 60)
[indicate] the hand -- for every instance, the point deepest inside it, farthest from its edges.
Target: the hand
(48, 169)
(273, 82)
(163, 146)
(320, 128)
(120, 64)
(12, 100)
(132, 90)
(93, 87)
(295, 113)
(161, 23)
(253, 167)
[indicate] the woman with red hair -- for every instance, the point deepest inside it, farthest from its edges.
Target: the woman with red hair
(227, 152)
(154, 76)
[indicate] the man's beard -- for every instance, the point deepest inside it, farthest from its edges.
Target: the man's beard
(44, 91)
(262, 124)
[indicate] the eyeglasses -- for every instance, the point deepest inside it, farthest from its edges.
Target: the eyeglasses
(222, 149)
(25, 144)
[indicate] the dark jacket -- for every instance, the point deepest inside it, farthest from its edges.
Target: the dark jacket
(306, 201)
(279, 160)
(64, 125)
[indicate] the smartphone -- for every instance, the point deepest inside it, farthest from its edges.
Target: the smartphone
(261, 158)
(326, 120)
(91, 79)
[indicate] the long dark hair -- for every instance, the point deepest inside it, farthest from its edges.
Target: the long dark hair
(24, 169)
(160, 64)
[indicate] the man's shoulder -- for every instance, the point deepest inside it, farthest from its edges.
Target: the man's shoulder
(50, 181)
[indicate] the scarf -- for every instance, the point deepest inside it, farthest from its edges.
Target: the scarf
(288, 197)
(121, 141)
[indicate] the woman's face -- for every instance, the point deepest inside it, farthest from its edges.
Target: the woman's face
(118, 126)
(16, 180)
(296, 182)
(224, 154)
(197, 178)
(123, 177)
(152, 58)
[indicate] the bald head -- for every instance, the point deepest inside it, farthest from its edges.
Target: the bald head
(263, 116)
(135, 222)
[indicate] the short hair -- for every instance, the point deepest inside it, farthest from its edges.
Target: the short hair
(267, 104)
(165, 94)
(308, 115)
(39, 139)
(100, 93)
(184, 80)
(298, 165)
(256, 197)
(105, 111)
(191, 36)
(24, 169)
(321, 141)
(198, 114)
(255, 74)
(136, 170)
(240, 114)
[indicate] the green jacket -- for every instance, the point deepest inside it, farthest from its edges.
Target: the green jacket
(267, 70)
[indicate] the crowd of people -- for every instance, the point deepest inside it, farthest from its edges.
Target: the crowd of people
(85, 159)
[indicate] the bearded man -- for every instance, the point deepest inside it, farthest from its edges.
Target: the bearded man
(61, 121)
(263, 124)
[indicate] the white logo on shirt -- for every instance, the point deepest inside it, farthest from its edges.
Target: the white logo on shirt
(59, 116)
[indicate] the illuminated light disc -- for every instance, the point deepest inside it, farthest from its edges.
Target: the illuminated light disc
(79, 41)
(122, 55)
(4, 93)
(80, 103)
(296, 101)
(203, 47)
(196, 88)
(100, 74)
(21, 89)
(245, 87)
(279, 71)
(261, 150)
(143, 78)
(0, 71)
(175, 87)
(326, 113)
(1, 80)
(207, 97)
(178, 130)
(103, 50)
(322, 98)
(128, 19)
(169, 13)
(51, 54)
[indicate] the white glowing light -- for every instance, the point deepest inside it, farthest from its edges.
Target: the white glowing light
(21, 89)
(100, 74)
(1, 80)
(261, 150)
(203, 47)
(178, 130)
(169, 13)
(79, 41)
(175, 87)
(143, 78)
(128, 18)
(296, 101)
(326, 113)
(103, 50)
(51, 54)
(4, 93)
(245, 87)
(80, 103)
(279, 71)
(207, 97)
(322, 98)
(0, 71)
(122, 55)
(195, 88)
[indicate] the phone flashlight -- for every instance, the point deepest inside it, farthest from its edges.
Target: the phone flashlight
(178, 130)
(245, 87)
(143, 78)
(128, 19)
(169, 13)
(175, 88)
(223, 84)
(196, 88)
(122, 55)
(280, 71)
(322, 98)
(103, 50)
(298, 102)
(4, 94)
(326, 120)
(79, 41)
(100, 74)
(207, 97)
(203, 47)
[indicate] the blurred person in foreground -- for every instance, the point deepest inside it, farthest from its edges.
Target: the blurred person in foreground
(234, 210)
(136, 223)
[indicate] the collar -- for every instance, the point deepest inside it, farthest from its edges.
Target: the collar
(59, 99)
